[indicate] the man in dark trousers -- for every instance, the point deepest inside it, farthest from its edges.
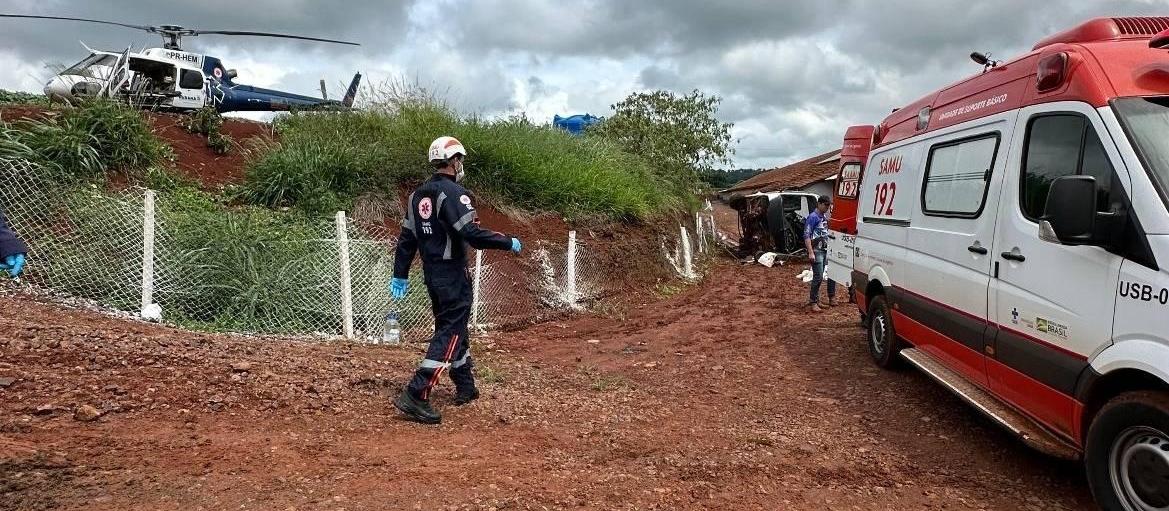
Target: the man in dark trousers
(816, 242)
(440, 223)
(12, 250)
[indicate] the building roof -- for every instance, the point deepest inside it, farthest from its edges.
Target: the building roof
(795, 176)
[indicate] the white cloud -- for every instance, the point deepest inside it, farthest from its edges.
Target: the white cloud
(792, 75)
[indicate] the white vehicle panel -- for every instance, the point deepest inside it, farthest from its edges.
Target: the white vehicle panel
(840, 252)
(1142, 305)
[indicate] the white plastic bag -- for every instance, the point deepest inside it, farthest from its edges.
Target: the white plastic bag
(805, 276)
(768, 259)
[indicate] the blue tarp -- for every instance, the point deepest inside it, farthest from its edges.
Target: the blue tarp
(575, 124)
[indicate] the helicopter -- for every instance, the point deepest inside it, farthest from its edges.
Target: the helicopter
(171, 79)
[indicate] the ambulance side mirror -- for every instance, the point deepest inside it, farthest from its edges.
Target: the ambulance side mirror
(1070, 216)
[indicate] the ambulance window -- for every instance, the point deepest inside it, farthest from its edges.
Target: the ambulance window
(1095, 163)
(1057, 146)
(957, 176)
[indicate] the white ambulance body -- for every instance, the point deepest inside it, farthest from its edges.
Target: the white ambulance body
(1013, 243)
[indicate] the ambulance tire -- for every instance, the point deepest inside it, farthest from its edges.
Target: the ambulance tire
(1126, 455)
(884, 346)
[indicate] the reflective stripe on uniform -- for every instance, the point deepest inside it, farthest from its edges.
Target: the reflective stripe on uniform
(462, 361)
(438, 203)
(446, 252)
(450, 352)
(434, 364)
(467, 218)
(408, 222)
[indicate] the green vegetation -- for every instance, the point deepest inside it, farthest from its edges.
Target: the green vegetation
(680, 135)
(87, 142)
(208, 122)
(723, 179)
(325, 160)
(241, 262)
(8, 97)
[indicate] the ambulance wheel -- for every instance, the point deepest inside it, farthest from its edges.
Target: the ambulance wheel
(1127, 453)
(883, 343)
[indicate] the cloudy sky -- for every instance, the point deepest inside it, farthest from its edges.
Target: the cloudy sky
(792, 74)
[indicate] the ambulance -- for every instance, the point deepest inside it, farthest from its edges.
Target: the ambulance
(858, 140)
(1013, 244)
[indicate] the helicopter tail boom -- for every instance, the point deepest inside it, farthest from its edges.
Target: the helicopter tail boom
(351, 92)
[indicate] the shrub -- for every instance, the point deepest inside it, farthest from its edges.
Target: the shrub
(89, 140)
(208, 122)
(122, 137)
(67, 147)
(325, 160)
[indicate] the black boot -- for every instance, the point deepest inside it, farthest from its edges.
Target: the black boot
(417, 410)
(463, 397)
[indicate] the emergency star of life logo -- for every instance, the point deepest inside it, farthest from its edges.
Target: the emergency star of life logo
(425, 208)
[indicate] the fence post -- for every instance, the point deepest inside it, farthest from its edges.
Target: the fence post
(346, 275)
(570, 273)
(476, 284)
(698, 231)
(713, 231)
(147, 251)
(687, 253)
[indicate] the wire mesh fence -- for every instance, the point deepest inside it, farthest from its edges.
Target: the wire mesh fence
(198, 264)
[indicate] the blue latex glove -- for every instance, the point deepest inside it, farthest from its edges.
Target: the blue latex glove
(398, 287)
(13, 264)
(516, 246)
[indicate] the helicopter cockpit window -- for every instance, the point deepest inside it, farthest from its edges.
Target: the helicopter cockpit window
(191, 79)
(87, 66)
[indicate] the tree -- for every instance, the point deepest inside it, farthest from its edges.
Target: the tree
(680, 135)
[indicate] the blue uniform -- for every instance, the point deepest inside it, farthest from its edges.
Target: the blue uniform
(439, 225)
(9, 243)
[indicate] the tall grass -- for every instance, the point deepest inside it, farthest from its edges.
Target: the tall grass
(89, 140)
(323, 161)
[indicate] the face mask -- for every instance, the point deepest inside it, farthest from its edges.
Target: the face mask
(460, 174)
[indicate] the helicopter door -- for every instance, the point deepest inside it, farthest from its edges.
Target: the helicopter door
(119, 76)
(191, 89)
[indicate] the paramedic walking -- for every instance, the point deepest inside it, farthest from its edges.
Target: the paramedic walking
(439, 224)
(816, 242)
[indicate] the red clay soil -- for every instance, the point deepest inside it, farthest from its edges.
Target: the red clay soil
(197, 161)
(726, 219)
(9, 113)
(724, 396)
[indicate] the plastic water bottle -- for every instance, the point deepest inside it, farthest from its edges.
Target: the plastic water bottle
(392, 333)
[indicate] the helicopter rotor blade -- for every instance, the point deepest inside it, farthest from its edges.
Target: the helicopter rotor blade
(137, 27)
(267, 34)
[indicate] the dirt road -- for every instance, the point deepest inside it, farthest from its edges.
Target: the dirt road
(723, 396)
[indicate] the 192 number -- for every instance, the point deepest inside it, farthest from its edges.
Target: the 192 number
(883, 199)
(847, 189)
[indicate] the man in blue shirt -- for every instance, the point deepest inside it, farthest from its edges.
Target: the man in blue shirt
(816, 242)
